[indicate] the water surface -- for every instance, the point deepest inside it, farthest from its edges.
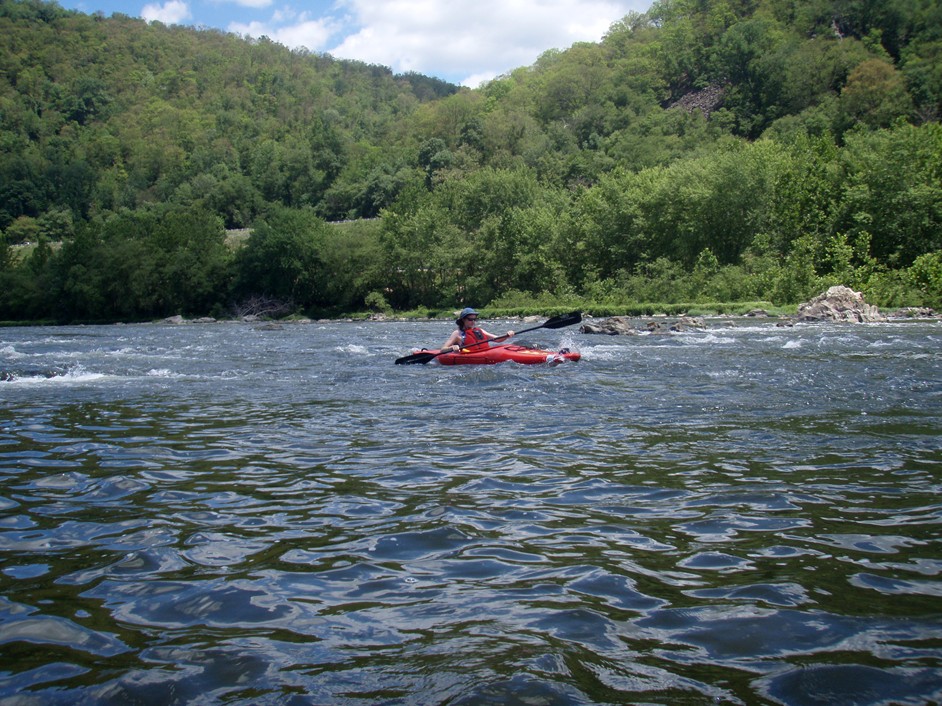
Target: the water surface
(235, 513)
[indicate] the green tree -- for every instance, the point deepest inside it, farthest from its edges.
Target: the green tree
(875, 95)
(892, 191)
(803, 191)
(56, 225)
(282, 259)
(434, 156)
(798, 279)
(814, 70)
(191, 260)
(76, 292)
(6, 255)
(24, 229)
(748, 59)
(922, 67)
(926, 275)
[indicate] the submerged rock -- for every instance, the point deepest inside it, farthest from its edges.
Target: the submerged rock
(839, 303)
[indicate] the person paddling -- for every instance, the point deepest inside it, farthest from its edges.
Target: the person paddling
(468, 332)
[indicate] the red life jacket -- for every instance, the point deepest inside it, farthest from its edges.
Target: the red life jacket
(472, 335)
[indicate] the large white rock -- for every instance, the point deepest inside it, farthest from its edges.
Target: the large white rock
(839, 303)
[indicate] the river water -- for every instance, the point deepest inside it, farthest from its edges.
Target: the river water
(246, 514)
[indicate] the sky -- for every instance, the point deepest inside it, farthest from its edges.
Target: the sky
(462, 41)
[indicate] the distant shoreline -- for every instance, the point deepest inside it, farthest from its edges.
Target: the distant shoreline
(900, 314)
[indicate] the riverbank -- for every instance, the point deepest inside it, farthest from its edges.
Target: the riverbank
(644, 310)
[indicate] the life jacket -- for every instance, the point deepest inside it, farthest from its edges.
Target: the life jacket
(472, 335)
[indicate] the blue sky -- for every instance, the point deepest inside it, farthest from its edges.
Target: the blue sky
(456, 40)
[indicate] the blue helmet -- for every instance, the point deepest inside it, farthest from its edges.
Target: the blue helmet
(467, 311)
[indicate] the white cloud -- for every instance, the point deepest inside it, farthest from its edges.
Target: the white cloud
(474, 40)
(250, 29)
(170, 13)
(310, 34)
(467, 42)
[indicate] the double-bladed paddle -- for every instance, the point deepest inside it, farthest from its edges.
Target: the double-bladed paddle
(555, 322)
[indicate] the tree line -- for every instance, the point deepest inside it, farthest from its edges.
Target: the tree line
(704, 151)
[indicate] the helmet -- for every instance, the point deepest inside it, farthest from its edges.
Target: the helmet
(467, 311)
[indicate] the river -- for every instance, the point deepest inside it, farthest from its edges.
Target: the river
(249, 514)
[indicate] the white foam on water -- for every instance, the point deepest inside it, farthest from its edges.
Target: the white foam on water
(713, 338)
(601, 351)
(78, 374)
(568, 341)
(127, 351)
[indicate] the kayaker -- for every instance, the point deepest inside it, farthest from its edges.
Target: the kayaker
(469, 333)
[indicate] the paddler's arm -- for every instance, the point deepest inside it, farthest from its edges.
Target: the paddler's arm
(452, 342)
(491, 336)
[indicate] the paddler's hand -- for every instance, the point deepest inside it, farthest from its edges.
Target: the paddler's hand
(510, 334)
(455, 348)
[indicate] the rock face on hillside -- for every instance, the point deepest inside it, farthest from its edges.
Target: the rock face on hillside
(706, 100)
(839, 303)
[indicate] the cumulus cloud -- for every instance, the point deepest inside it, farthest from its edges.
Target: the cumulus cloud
(467, 42)
(170, 13)
(310, 34)
(476, 40)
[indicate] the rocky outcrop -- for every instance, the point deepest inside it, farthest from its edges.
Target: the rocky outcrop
(624, 326)
(839, 303)
(706, 100)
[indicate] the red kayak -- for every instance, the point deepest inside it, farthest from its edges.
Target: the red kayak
(475, 355)
(503, 354)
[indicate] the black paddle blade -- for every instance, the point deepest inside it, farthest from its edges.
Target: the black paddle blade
(563, 320)
(415, 358)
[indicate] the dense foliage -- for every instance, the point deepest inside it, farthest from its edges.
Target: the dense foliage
(708, 150)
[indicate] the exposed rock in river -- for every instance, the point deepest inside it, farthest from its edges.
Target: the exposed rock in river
(614, 326)
(178, 319)
(623, 326)
(914, 312)
(839, 303)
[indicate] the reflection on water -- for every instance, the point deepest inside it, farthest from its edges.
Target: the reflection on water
(219, 513)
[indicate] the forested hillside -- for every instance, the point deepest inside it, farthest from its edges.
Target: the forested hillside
(705, 151)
